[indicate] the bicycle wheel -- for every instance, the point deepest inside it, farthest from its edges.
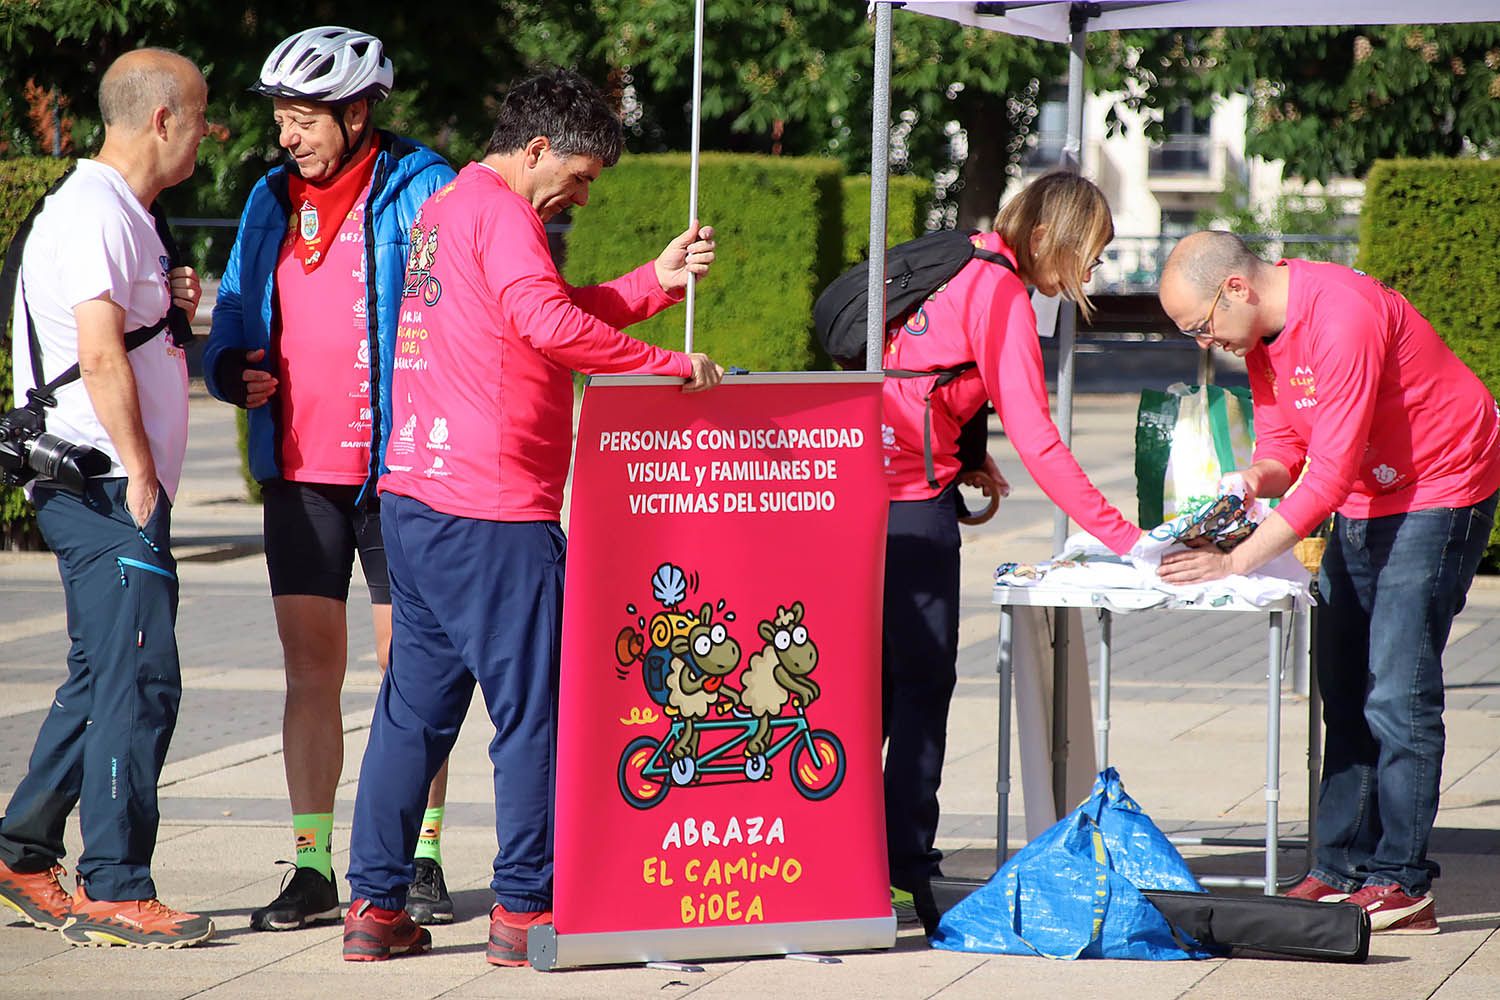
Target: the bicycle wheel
(640, 789)
(822, 772)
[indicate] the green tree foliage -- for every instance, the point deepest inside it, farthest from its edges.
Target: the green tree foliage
(449, 75)
(788, 77)
(1328, 101)
(796, 77)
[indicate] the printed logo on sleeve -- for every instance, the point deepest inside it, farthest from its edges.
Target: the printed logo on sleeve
(1302, 379)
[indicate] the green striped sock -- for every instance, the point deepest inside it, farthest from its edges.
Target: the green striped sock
(315, 842)
(430, 840)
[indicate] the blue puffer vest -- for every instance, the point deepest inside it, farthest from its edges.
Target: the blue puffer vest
(406, 174)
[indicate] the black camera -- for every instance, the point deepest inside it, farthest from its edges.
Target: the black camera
(27, 451)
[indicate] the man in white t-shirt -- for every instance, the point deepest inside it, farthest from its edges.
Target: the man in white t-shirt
(93, 270)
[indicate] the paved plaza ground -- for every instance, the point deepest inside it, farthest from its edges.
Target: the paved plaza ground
(1188, 737)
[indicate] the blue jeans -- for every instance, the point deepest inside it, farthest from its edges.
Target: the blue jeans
(104, 740)
(1391, 589)
(472, 602)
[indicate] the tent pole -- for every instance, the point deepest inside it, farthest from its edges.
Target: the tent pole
(692, 286)
(1067, 320)
(880, 152)
(1067, 329)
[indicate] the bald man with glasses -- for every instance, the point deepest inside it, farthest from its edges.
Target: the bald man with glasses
(1361, 404)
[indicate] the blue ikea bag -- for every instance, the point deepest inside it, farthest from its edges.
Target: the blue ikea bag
(1075, 891)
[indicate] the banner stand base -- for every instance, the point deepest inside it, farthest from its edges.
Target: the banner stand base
(548, 950)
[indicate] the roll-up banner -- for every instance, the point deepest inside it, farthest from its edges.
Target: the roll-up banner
(718, 773)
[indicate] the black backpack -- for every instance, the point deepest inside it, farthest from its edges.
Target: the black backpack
(913, 272)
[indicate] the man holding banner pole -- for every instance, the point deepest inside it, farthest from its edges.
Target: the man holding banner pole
(470, 509)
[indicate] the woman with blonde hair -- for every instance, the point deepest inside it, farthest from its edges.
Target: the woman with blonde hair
(1052, 233)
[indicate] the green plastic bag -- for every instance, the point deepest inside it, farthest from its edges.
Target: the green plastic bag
(1186, 438)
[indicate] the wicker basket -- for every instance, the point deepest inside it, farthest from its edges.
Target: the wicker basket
(1309, 552)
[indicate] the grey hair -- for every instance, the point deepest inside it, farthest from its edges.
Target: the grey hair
(138, 83)
(1205, 259)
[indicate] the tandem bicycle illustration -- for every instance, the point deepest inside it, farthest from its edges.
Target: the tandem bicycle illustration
(814, 759)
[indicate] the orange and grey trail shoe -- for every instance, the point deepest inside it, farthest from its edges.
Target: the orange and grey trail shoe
(508, 935)
(38, 897)
(134, 923)
(374, 934)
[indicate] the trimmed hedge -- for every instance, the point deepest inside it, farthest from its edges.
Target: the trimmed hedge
(1428, 229)
(779, 225)
(905, 218)
(22, 182)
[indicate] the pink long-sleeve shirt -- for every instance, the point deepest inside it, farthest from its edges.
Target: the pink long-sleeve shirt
(482, 392)
(984, 315)
(1360, 387)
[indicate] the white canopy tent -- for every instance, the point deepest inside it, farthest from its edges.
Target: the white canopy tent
(1051, 21)
(1064, 21)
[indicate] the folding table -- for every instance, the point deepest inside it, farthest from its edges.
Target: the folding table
(1109, 601)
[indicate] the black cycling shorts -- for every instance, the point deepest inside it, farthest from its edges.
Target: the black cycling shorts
(312, 532)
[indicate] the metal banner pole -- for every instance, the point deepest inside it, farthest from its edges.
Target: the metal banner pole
(1067, 329)
(692, 286)
(1067, 320)
(880, 152)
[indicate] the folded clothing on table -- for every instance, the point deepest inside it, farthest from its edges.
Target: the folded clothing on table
(1224, 522)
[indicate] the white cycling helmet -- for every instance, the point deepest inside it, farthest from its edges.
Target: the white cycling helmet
(330, 65)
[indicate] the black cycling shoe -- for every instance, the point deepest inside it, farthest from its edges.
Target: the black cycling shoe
(306, 898)
(427, 899)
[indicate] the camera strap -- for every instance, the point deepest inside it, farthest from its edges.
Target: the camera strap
(44, 393)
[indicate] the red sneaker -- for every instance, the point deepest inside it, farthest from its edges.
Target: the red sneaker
(134, 923)
(38, 897)
(508, 935)
(373, 934)
(1392, 911)
(1317, 890)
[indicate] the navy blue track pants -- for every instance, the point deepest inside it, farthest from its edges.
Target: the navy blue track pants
(472, 601)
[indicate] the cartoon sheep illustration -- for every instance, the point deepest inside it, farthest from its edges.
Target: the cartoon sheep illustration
(695, 676)
(778, 673)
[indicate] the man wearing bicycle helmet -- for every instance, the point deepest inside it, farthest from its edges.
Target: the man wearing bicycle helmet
(303, 338)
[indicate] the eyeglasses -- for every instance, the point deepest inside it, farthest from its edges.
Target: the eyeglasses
(1206, 328)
